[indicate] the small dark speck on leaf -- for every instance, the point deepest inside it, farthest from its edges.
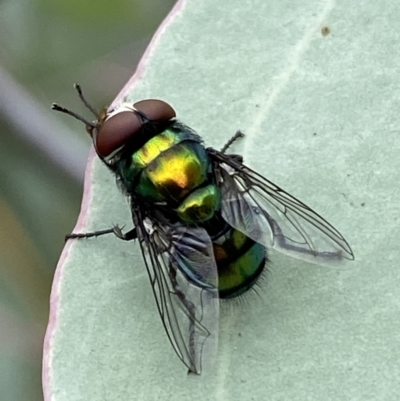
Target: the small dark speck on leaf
(325, 31)
(257, 105)
(240, 334)
(315, 134)
(347, 199)
(363, 204)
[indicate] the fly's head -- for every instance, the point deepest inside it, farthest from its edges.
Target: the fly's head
(130, 125)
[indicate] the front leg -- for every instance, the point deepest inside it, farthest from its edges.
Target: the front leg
(116, 230)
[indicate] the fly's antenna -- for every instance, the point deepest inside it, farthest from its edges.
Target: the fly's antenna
(89, 124)
(57, 107)
(84, 101)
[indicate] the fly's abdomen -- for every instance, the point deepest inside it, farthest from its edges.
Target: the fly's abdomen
(240, 262)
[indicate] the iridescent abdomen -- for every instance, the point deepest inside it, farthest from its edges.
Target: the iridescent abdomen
(240, 262)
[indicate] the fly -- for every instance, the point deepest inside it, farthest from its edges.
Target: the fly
(203, 219)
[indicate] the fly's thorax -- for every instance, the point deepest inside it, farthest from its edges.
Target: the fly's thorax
(240, 261)
(172, 168)
(134, 162)
(173, 173)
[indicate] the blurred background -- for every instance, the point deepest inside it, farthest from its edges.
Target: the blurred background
(46, 46)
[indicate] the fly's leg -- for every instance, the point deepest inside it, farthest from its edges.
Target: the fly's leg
(116, 230)
(129, 236)
(238, 134)
(88, 235)
(192, 317)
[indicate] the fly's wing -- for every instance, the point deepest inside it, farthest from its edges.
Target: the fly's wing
(273, 218)
(183, 274)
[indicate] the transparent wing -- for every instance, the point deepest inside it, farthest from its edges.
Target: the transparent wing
(272, 217)
(183, 274)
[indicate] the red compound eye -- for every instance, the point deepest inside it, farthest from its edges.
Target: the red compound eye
(155, 110)
(122, 127)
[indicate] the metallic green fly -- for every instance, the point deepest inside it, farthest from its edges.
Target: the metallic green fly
(203, 219)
